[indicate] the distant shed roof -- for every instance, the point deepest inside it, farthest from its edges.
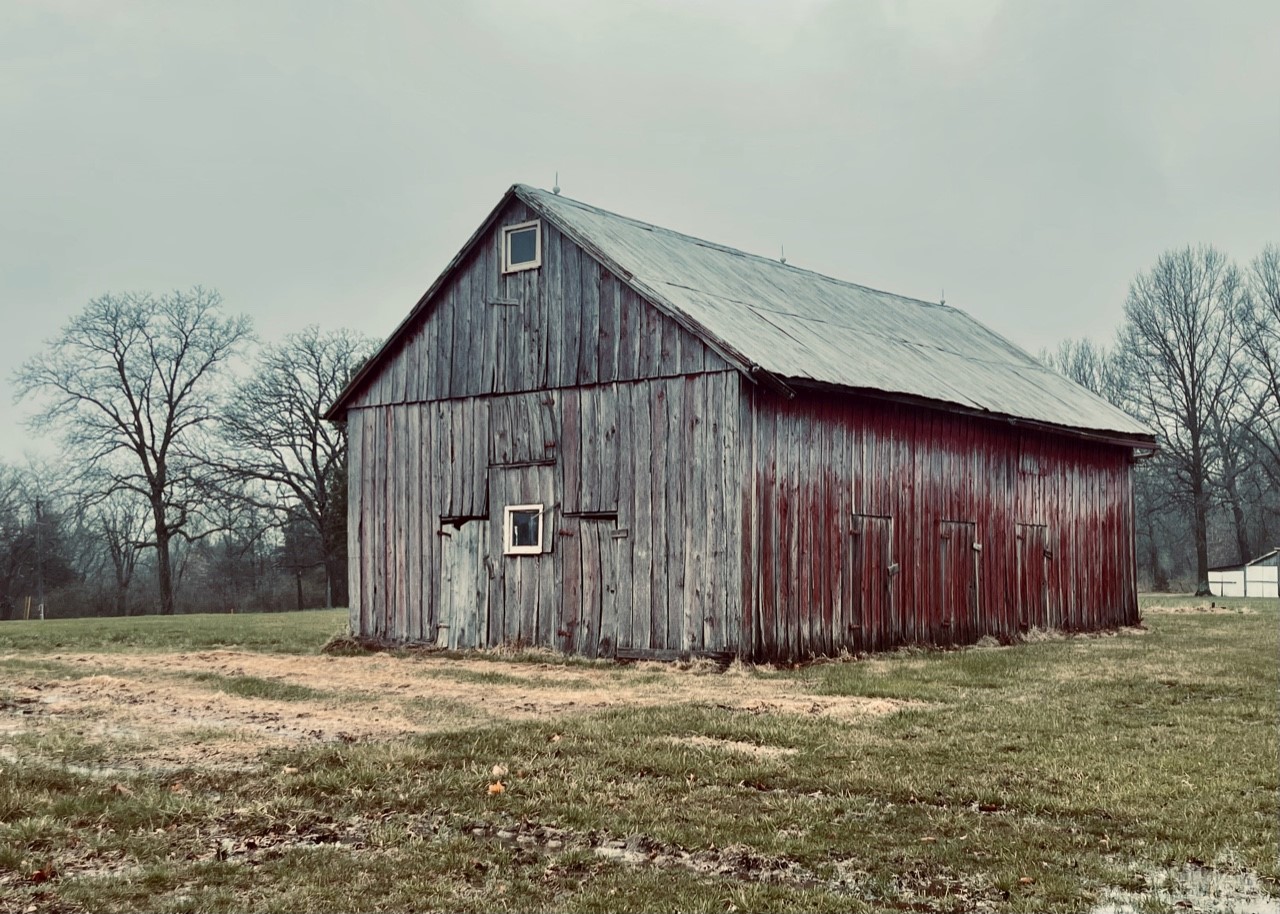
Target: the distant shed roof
(1266, 559)
(802, 326)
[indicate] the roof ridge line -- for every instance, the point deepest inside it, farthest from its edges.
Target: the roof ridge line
(731, 250)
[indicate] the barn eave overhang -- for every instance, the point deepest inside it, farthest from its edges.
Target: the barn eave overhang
(1136, 442)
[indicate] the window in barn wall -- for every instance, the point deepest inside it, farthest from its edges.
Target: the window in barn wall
(522, 530)
(522, 246)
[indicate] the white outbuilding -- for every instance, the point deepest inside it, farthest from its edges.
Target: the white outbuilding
(1257, 578)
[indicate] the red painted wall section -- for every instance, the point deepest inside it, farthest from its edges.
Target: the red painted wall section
(872, 525)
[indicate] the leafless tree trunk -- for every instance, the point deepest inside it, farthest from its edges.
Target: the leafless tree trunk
(1180, 342)
(129, 383)
(1233, 443)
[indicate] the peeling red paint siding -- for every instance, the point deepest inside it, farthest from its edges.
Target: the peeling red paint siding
(950, 495)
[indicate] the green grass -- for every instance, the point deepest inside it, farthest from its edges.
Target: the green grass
(1027, 778)
(285, 633)
(257, 687)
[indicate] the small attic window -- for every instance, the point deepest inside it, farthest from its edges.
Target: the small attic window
(522, 246)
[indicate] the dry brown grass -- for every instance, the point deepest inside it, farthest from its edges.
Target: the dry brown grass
(169, 710)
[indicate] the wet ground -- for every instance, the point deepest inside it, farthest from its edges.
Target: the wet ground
(1205, 890)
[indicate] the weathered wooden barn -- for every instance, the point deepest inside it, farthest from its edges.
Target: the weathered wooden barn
(606, 437)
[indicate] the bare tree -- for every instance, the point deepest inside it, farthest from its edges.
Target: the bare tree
(121, 521)
(130, 385)
(14, 558)
(1180, 343)
(1090, 365)
(275, 420)
(36, 552)
(1261, 320)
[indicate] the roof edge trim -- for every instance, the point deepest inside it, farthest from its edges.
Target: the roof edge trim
(335, 412)
(1120, 439)
(529, 197)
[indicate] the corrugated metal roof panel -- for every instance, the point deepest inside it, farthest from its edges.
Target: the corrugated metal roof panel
(801, 325)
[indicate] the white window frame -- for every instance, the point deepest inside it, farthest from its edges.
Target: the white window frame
(508, 530)
(507, 232)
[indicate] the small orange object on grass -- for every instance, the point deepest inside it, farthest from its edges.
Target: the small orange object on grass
(496, 788)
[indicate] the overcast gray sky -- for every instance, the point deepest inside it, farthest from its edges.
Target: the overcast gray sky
(321, 162)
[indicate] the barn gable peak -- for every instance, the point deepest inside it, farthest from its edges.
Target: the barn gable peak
(792, 328)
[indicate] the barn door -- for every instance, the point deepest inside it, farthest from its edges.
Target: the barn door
(595, 611)
(523, 597)
(870, 621)
(958, 554)
(1033, 576)
(464, 584)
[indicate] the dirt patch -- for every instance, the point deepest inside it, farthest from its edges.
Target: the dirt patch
(938, 889)
(736, 861)
(1211, 609)
(171, 710)
(733, 745)
(1040, 635)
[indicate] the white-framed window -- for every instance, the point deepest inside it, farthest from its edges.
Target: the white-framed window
(522, 530)
(522, 246)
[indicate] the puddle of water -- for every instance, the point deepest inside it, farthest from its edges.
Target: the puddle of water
(1195, 888)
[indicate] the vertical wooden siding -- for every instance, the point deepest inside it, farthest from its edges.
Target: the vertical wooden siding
(689, 510)
(570, 322)
(643, 486)
(824, 467)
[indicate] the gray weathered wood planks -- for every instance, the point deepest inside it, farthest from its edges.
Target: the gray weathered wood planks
(687, 508)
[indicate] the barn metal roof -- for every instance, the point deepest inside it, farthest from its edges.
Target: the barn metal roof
(803, 327)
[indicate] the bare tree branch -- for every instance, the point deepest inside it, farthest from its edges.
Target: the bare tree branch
(129, 384)
(1179, 345)
(275, 421)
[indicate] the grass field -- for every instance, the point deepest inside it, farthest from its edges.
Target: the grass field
(223, 764)
(285, 633)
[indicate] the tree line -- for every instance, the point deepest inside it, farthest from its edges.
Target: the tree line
(196, 470)
(1197, 357)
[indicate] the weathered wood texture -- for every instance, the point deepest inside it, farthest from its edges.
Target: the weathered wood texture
(686, 509)
(569, 323)
(641, 484)
(872, 525)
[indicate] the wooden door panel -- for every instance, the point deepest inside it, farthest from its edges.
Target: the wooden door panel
(1033, 576)
(464, 585)
(596, 562)
(870, 621)
(958, 560)
(523, 593)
